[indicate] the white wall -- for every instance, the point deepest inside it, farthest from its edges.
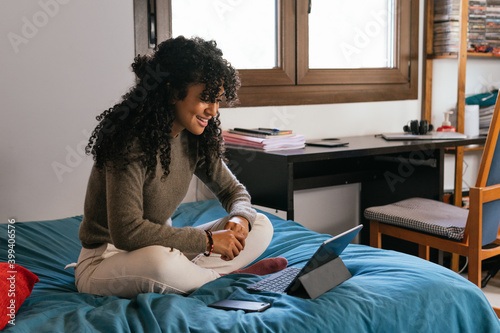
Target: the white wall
(76, 64)
(69, 67)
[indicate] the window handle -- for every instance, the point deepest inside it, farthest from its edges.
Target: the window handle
(152, 24)
(309, 7)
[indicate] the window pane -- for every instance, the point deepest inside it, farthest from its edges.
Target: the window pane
(244, 30)
(351, 34)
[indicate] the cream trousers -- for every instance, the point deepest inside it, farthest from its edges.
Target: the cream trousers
(107, 270)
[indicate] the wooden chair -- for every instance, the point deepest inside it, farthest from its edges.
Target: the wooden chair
(472, 233)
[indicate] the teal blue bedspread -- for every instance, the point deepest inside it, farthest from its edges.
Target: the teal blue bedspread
(389, 291)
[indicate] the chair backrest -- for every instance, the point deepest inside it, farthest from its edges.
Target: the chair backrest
(489, 174)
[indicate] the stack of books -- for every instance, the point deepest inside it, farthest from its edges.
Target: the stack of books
(446, 26)
(485, 115)
(476, 29)
(266, 139)
(493, 23)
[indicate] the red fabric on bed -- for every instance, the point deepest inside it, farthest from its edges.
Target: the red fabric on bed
(16, 284)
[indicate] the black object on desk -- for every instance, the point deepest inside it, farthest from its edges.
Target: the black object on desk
(388, 171)
(329, 142)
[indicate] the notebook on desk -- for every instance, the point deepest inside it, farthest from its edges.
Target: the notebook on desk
(322, 272)
(430, 136)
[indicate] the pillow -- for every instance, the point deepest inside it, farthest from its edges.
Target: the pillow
(16, 284)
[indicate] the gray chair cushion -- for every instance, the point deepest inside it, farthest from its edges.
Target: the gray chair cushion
(431, 216)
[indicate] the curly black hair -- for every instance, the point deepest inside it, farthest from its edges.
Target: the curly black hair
(146, 112)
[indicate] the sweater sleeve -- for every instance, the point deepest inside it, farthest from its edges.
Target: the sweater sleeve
(233, 196)
(128, 228)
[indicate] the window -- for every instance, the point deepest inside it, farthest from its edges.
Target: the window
(291, 52)
(367, 38)
(231, 24)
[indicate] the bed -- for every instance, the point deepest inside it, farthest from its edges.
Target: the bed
(389, 291)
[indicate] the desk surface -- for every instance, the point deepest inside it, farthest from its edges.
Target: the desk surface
(366, 145)
(272, 177)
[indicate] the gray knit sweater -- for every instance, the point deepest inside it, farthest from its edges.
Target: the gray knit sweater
(130, 210)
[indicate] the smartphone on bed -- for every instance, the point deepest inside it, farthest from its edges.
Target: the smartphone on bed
(247, 306)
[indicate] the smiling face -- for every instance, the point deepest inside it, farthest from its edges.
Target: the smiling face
(193, 113)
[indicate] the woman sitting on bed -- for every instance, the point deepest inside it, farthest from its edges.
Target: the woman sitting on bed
(146, 150)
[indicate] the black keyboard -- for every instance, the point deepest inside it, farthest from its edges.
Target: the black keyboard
(278, 282)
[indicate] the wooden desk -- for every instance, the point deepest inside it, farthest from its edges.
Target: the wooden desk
(387, 170)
